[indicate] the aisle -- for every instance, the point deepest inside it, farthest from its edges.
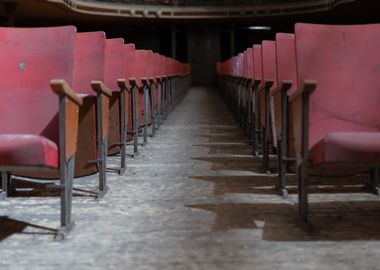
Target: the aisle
(194, 198)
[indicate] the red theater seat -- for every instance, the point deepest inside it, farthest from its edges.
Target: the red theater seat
(336, 116)
(137, 72)
(129, 58)
(94, 115)
(248, 74)
(160, 75)
(114, 65)
(286, 85)
(257, 75)
(38, 131)
(346, 147)
(268, 84)
(114, 78)
(33, 150)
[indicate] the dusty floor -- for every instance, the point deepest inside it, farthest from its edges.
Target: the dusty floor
(195, 199)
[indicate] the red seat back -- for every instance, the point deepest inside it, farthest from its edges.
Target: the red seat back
(245, 64)
(29, 59)
(129, 61)
(235, 66)
(161, 70)
(150, 65)
(240, 65)
(157, 65)
(257, 63)
(286, 60)
(89, 60)
(168, 67)
(114, 63)
(268, 50)
(140, 64)
(249, 63)
(286, 71)
(345, 61)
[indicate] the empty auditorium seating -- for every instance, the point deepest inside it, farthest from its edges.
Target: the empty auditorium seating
(45, 136)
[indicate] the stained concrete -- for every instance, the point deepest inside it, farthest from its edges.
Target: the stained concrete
(195, 198)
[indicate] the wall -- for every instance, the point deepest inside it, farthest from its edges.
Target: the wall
(203, 49)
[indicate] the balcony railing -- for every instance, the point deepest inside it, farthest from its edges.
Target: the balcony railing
(202, 3)
(195, 9)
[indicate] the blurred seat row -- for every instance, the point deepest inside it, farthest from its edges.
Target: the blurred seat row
(312, 98)
(69, 99)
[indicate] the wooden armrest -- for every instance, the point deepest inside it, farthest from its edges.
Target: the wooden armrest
(122, 83)
(284, 84)
(61, 87)
(133, 82)
(257, 80)
(100, 88)
(84, 96)
(306, 86)
(158, 79)
(145, 80)
(264, 84)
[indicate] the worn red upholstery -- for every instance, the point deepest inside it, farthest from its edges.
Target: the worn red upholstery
(30, 58)
(27, 150)
(347, 147)
(344, 108)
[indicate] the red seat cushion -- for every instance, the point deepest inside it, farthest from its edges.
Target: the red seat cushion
(347, 147)
(27, 150)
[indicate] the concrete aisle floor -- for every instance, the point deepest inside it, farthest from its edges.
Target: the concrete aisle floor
(195, 199)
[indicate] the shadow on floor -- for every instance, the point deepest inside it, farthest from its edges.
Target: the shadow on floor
(228, 149)
(267, 185)
(238, 163)
(226, 138)
(222, 128)
(25, 188)
(329, 221)
(9, 226)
